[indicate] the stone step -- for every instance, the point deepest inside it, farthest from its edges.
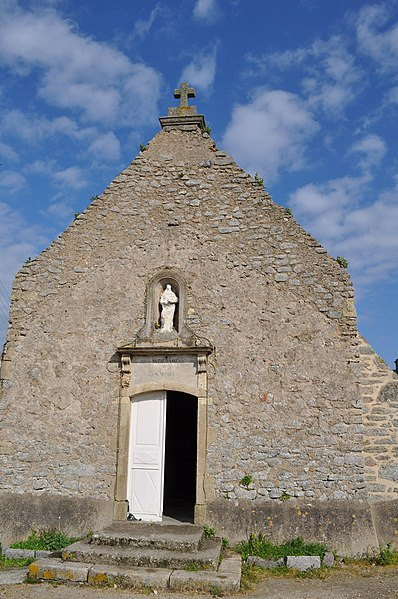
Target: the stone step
(131, 578)
(56, 569)
(226, 579)
(206, 557)
(175, 537)
(13, 576)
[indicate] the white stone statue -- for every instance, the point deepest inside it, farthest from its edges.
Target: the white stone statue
(168, 301)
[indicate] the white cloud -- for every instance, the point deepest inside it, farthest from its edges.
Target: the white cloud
(366, 235)
(18, 241)
(142, 26)
(17, 124)
(40, 167)
(11, 181)
(205, 9)
(381, 45)
(332, 76)
(269, 133)
(78, 73)
(279, 60)
(69, 177)
(32, 128)
(8, 152)
(323, 206)
(337, 77)
(66, 126)
(60, 210)
(105, 147)
(372, 148)
(201, 71)
(392, 96)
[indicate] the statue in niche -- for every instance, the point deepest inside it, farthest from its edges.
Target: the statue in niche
(168, 301)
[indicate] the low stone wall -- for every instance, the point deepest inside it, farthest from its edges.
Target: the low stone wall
(385, 518)
(22, 513)
(351, 528)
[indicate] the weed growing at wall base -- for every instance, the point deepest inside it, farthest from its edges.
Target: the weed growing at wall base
(383, 555)
(209, 532)
(263, 547)
(215, 591)
(50, 540)
(225, 543)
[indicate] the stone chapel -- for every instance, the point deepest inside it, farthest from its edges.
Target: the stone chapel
(186, 349)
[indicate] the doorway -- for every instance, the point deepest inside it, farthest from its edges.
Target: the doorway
(180, 456)
(163, 456)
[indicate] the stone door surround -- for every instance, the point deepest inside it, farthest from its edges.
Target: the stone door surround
(145, 369)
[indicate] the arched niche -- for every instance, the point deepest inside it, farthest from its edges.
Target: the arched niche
(152, 330)
(159, 287)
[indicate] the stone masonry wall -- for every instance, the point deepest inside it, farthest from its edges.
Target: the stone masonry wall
(279, 311)
(379, 390)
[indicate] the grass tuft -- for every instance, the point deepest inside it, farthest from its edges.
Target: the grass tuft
(209, 532)
(7, 562)
(50, 540)
(263, 547)
(215, 591)
(382, 556)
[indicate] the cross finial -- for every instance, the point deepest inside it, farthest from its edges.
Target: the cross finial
(184, 92)
(182, 115)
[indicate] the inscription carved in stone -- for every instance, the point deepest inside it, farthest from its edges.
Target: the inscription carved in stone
(146, 369)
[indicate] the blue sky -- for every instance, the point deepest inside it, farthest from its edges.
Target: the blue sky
(305, 92)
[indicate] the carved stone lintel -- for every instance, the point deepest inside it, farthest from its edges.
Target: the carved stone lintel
(126, 370)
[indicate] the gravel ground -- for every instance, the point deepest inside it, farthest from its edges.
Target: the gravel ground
(376, 584)
(368, 583)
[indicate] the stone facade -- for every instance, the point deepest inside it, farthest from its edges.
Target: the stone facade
(294, 399)
(379, 393)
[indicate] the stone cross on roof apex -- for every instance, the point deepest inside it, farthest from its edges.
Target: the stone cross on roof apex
(183, 115)
(184, 92)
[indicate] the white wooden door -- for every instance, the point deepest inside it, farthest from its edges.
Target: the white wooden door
(146, 458)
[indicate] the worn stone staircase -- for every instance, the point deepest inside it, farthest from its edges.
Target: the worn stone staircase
(166, 555)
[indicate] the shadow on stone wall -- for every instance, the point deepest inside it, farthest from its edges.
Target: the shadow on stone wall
(351, 528)
(20, 514)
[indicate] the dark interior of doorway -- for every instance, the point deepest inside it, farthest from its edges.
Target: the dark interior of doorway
(180, 456)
